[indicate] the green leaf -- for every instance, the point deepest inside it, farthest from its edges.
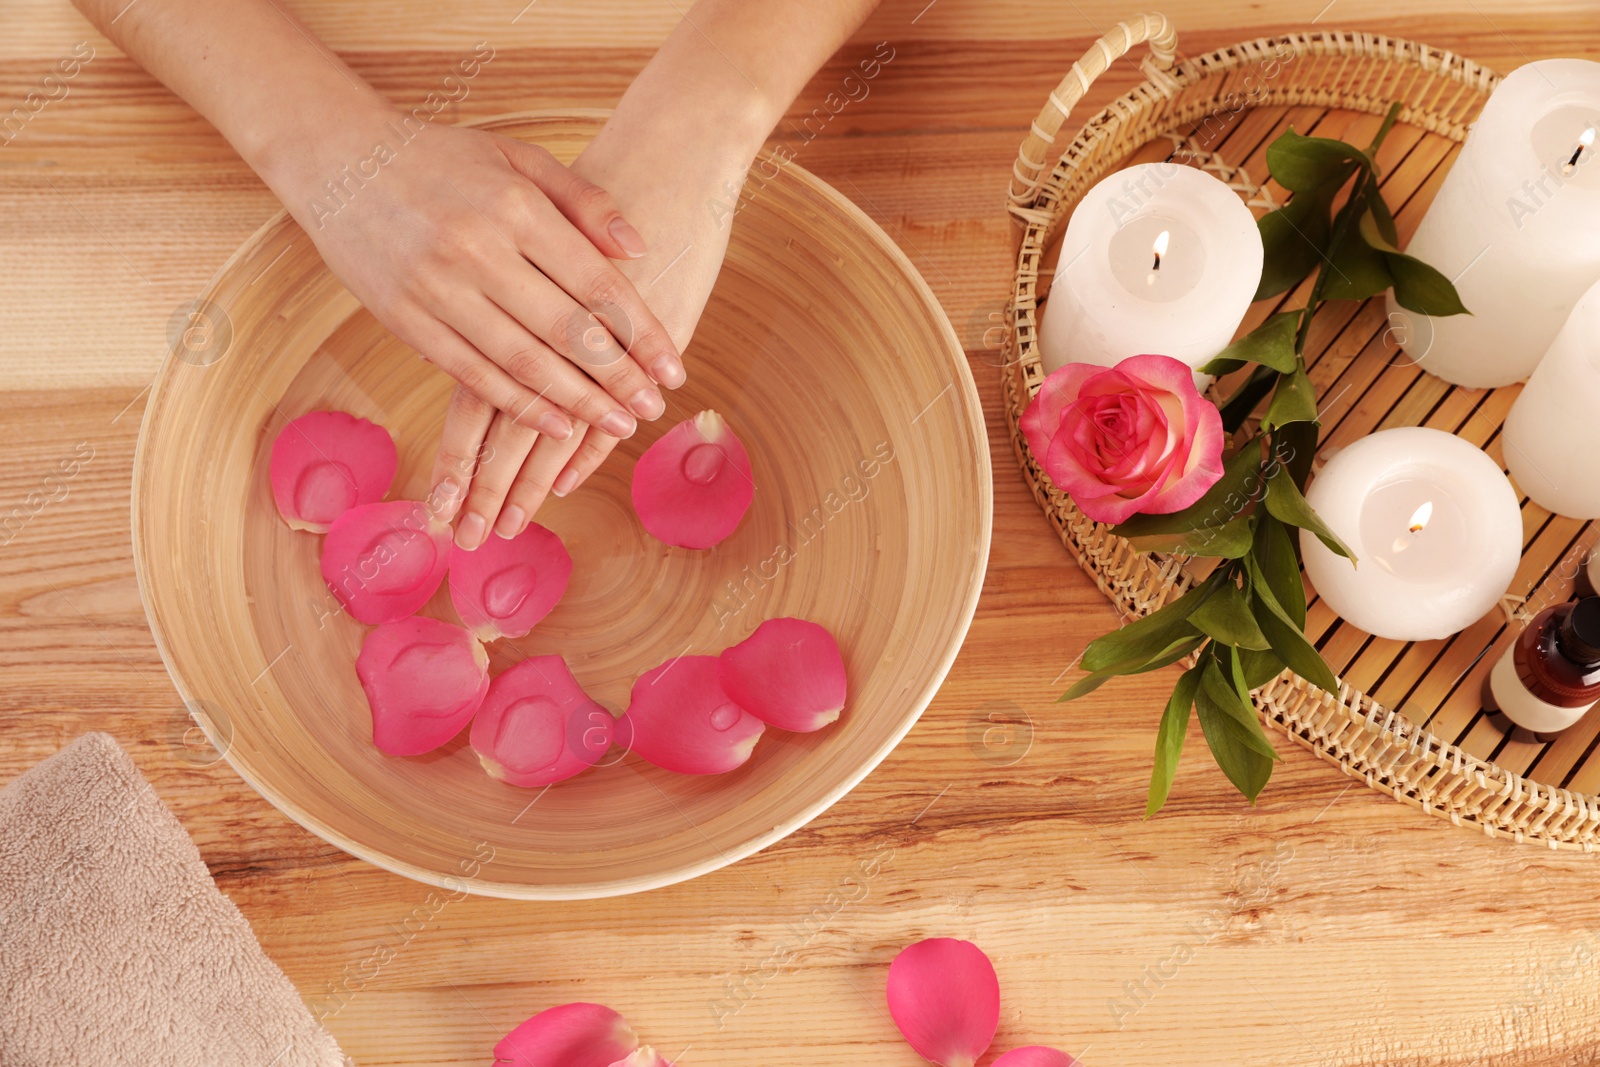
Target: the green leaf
(1225, 616)
(1169, 738)
(1420, 288)
(1227, 540)
(1303, 164)
(1382, 217)
(1246, 768)
(1244, 399)
(1292, 239)
(1219, 689)
(1359, 271)
(1295, 400)
(1279, 566)
(1165, 658)
(1271, 344)
(1285, 504)
(1288, 641)
(1295, 446)
(1222, 503)
(1145, 638)
(1259, 667)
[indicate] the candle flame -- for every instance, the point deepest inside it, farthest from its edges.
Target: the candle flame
(1586, 138)
(1164, 237)
(1420, 517)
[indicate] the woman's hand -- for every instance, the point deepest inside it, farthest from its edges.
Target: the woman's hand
(490, 258)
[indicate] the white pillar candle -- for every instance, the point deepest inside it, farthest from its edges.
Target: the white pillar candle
(1158, 259)
(1433, 523)
(1514, 226)
(1549, 435)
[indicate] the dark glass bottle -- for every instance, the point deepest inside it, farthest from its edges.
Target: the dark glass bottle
(1550, 675)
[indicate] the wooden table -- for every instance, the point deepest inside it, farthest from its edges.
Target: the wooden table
(1326, 925)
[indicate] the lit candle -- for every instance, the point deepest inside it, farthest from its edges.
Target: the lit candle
(1160, 258)
(1433, 523)
(1514, 227)
(1549, 435)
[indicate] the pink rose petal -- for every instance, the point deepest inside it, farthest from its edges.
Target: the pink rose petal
(1035, 1056)
(788, 674)
(384, 561)
(945, 999)
(326, 462)
(644, 1056)
(680, 719)
(693, 485)
(505, 586)
(537, 726)
(571, 1035)
(424, 680)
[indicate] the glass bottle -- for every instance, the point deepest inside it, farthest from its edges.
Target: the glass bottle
(1550, 675)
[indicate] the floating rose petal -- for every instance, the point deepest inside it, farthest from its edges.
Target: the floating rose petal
(326, 462)
(424, 679)
(537, 726)
(945, 999)
(693, 486)
(1035, 1056)
(506, 585)
(383, 561)
(571, 1035)
(788, 674)
(680, 719)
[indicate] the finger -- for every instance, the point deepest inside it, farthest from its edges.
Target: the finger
(577, 334)
(533, 482)
(442, 346)
(538, 366)
(571, 262)
(596, 446)
(466, 421)
(508, 446)
(587, 206)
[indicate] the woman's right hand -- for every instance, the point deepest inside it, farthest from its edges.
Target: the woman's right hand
(494, 262)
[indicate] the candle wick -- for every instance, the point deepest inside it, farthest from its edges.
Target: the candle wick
(1577, 153)
(1157, 264)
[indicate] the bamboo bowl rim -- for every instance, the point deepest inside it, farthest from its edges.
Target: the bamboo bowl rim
(946, 353)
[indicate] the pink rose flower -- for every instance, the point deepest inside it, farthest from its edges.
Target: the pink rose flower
(1137, 438)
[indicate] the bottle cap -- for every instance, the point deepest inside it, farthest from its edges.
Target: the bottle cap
(1579, 635)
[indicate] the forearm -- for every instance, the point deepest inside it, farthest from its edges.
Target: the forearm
(255, 72)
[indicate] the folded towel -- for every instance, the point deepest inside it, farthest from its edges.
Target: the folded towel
(115, 945)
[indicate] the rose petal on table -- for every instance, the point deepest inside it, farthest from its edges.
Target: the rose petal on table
(424, 680)
(506, 585)
(691, 487)
(788, 674)
(945, 999)
(537, 726)
(1035, 1056)
(569, 1035)
(326, 462)
(643, 1056)
(680, 719)
(384, 561)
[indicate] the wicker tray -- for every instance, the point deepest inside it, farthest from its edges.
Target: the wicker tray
(1408, 719)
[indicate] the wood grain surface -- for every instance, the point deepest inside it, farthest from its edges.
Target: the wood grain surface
(1327, 925)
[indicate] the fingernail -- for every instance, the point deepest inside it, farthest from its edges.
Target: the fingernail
(552, 425)
(470, 532)
(510, 522)
(566, 482)
(627, 237)
(647, 404)
(668, 370)
(619, 424)
(446, 499)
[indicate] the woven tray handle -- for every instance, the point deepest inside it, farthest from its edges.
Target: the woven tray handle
(1027, 172)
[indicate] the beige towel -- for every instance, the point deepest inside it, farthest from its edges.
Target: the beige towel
(115, 945)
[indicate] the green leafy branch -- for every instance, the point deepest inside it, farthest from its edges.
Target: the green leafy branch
(1245, 622)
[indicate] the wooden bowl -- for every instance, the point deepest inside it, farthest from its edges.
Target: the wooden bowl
(832, 360)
